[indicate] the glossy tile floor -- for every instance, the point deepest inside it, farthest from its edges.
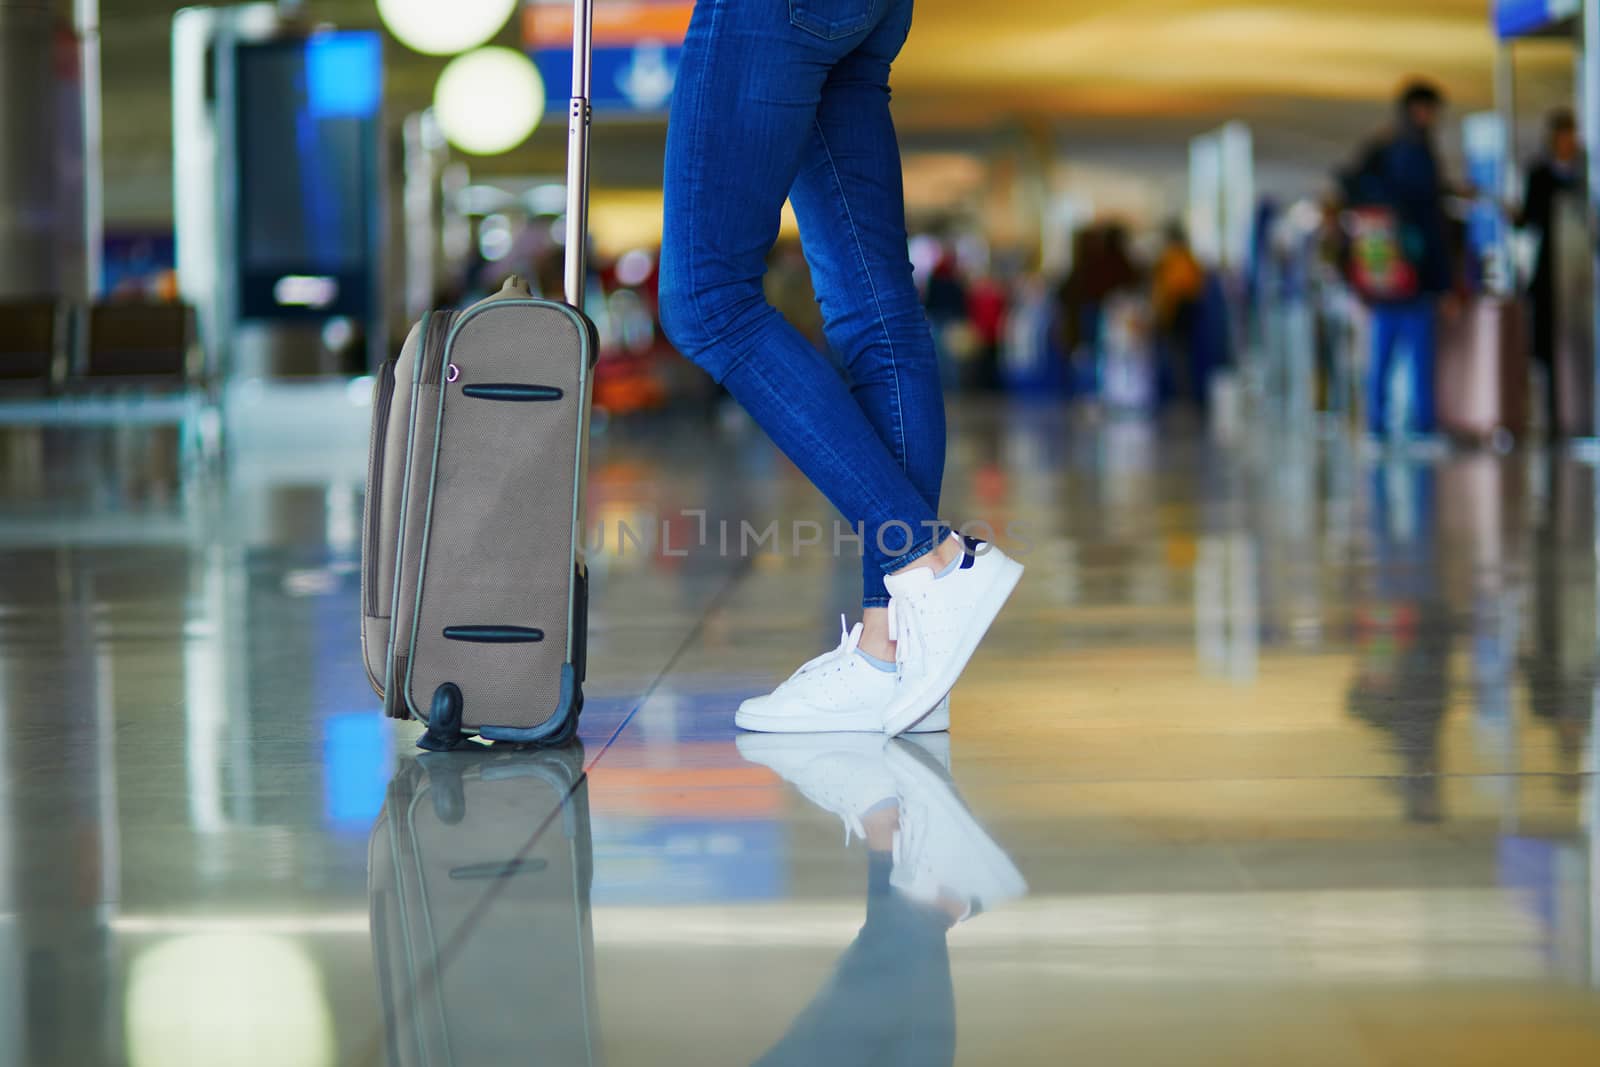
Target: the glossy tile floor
(1280, 755)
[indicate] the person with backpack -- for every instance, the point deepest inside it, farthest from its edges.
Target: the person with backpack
(1399, 255)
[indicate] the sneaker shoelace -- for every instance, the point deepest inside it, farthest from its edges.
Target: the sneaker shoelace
(849, 638)
(905, 630)
(854, 826)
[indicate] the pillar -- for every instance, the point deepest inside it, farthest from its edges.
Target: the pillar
(29, 217)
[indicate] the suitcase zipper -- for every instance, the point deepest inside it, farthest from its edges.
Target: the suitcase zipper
(433, 346)
(428, 370)
(380, 437)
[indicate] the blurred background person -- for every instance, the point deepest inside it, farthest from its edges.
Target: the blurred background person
(1075, 323)
(945, 302)
(1177, 284)
(988, 306)
(1556, 173)
(1399, 175)
(1102, 267)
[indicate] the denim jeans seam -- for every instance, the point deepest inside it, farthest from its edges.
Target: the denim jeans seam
(698, 125)
(883, 325)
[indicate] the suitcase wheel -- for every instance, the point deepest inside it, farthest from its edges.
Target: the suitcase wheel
(444, 721)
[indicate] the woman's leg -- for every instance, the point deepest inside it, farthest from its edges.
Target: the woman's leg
(741, 129)
(849, 199)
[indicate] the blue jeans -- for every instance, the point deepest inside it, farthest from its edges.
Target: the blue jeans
(791, 100)
(1410, 324)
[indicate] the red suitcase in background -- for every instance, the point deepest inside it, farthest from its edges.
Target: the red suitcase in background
(1481, 375)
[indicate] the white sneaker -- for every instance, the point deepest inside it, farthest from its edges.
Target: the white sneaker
(837, 691)
(940, 850)
(936, 624)
(843, 773)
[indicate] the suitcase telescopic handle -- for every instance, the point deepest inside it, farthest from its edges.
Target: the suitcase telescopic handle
(578, 116)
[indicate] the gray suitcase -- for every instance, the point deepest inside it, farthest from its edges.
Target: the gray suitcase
(478, 875)
(474, 590)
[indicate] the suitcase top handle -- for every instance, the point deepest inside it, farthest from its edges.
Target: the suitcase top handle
(578, 154)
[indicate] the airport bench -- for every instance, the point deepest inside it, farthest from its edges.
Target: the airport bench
(33, 346)
(109, 364)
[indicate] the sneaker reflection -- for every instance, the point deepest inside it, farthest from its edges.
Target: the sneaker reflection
(930, 865)
(479, 872)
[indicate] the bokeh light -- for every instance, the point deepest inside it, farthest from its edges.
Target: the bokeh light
(489, 101)
(442, 29)
(235, 998)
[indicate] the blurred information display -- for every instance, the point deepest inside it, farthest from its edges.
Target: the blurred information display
(637, 45)
(309, 138)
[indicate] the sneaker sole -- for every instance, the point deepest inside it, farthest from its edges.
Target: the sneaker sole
(1003, 880)
(934, 722)
(908, 711)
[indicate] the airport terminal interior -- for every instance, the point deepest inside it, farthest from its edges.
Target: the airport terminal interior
(1283, 751)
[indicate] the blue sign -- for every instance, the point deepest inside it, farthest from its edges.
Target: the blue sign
(357, 758)
(1522, 18)
(634, 80)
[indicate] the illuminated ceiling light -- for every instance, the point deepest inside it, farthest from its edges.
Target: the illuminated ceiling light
(442, 29)
(489, 101)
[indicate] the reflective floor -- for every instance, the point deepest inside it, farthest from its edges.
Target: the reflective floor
(1281, 754)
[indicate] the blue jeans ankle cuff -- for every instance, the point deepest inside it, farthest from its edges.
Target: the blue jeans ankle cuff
(916, 551)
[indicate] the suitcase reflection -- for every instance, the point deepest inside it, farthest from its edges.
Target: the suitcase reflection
(479, 875)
